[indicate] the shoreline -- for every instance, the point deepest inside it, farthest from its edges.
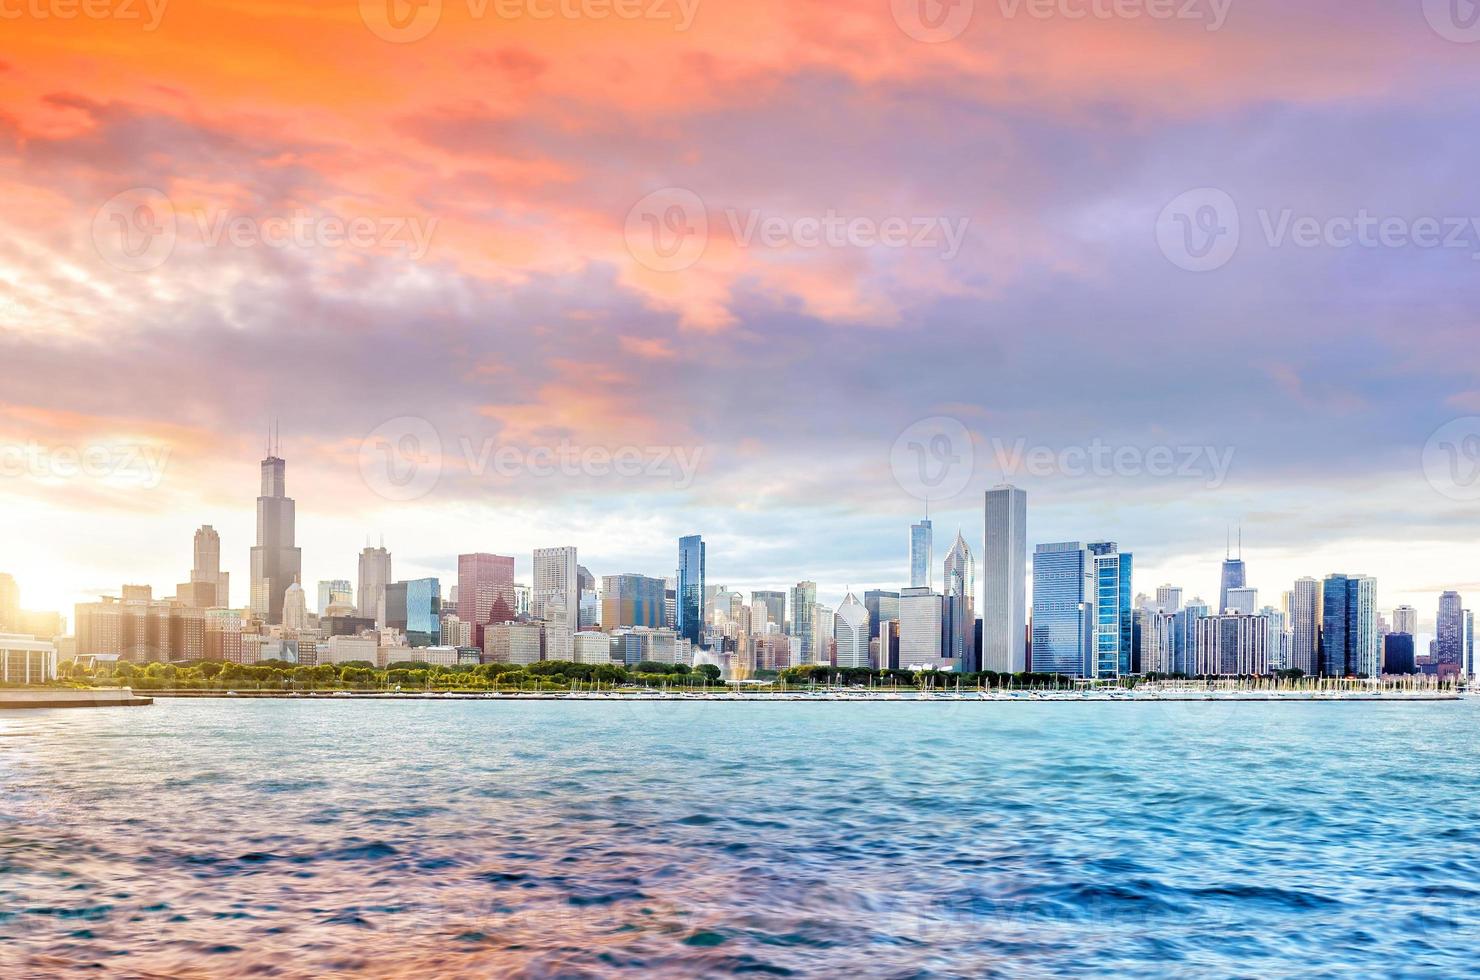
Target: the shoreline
(26, 699)
(1035, 697)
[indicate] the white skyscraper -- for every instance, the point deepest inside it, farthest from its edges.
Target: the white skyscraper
(920, 620)
(1169, 598)
(375, 575)
(1305, 624)
(850, 632)
(1277, 648)
(1005, 581)
(1405, 620)
(960, 605)
(556, 584)
(207, 567)
(295, 608)
(1242, 601)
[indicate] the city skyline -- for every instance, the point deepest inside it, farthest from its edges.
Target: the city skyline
(208, 549)
(1089, 617)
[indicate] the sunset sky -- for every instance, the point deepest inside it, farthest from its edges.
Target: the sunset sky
(508, 172)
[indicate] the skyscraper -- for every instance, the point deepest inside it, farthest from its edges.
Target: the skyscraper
(850, 632)
(882, 606)
(1277, 648)
(206, 569)
(375, 575)
(921, 618)
(415, 608)
(1306, 611)
(1063, 609)
(803, 610)
(334, 591)
(485, 589)
(1233, 575)
(1397, 654)
(1242, 601)
(556, 593)
(1405, 620)
(1156, 639)
(690, 589)
(275, 562)
(1450, 634)
(1114, 623)
(1469, 646)
(295, 607)
(920, 554)
(1005, 581)
(960, 605)
(1349, 626)
(1169, 598)
(767, 607)
(631, 600)
(1184, 635)
(1232, 646)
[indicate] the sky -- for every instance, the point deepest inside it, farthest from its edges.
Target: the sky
(519, 273)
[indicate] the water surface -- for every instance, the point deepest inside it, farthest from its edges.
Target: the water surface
(308, 838)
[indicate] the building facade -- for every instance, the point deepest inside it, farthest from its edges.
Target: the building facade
(1005, 581)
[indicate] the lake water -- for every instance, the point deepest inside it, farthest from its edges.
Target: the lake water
(297, 838)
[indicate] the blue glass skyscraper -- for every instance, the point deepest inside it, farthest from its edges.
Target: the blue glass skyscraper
(920, 549)
(691, 588)
(1063, 609)
(1114, 639)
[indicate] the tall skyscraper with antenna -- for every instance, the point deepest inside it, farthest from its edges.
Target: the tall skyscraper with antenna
(1233, 572)
(276, 560)
(375, 575)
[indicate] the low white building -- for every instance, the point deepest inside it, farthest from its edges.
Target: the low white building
(593, 648)
(26, 660)
(346, 649)
(514, 643)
